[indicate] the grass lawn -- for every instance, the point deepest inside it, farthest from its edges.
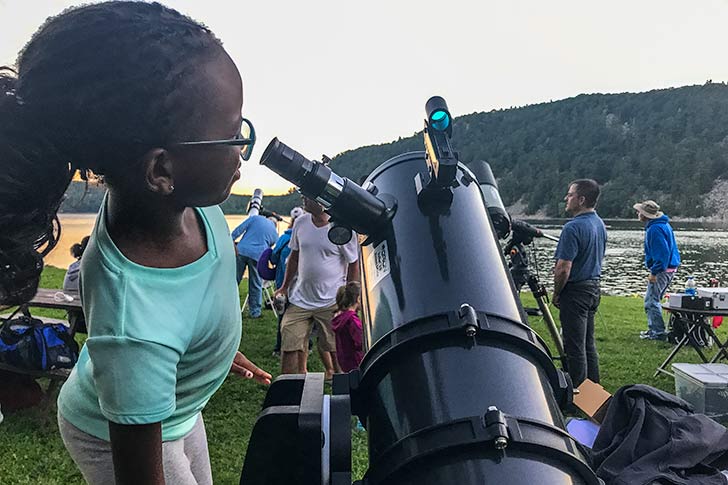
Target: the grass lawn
(31, 451)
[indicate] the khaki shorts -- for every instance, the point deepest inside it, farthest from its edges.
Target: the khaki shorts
(298, 323)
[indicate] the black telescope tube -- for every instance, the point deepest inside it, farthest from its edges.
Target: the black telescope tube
(447, 345)
(346, 201)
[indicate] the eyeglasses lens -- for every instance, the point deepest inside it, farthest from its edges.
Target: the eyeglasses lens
(247, 133)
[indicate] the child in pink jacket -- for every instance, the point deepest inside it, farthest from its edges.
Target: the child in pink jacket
(347, 327)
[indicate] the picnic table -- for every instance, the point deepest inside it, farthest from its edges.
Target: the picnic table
(69, 301)
(694, 321)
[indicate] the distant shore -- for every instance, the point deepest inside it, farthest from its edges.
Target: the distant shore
(716, 222)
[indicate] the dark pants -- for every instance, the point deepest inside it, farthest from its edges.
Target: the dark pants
(277, 348)
(578, 305)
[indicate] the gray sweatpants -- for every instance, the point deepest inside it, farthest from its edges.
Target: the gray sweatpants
(186, 460)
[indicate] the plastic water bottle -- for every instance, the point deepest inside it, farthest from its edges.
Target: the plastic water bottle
(690, 286)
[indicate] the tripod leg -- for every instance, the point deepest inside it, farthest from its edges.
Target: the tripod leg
(553, 329)
(539, 293)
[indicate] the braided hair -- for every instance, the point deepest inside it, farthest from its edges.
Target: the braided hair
(94, 89)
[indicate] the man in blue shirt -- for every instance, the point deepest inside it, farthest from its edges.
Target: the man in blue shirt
(662, 259)
(578, 268)
(258, 233)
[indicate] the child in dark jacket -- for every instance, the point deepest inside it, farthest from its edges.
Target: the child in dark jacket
(347, 327)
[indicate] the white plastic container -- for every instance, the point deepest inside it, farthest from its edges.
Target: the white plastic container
(674, 300)
(705, 386)
(719, 296)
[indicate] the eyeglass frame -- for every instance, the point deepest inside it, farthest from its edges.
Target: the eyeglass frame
(250, 141)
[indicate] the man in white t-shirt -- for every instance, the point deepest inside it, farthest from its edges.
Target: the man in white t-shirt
(316, 268)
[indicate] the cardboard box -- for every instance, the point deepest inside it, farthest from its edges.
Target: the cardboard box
(593, 400)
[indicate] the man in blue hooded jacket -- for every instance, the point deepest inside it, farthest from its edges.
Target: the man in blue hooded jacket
(661, 259)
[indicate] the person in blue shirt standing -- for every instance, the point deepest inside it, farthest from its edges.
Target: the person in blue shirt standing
(662, 259)
(579, 255)
(256, 234)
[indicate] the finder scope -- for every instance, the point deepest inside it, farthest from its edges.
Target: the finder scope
(441, 159)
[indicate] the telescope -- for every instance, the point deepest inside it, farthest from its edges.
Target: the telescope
(255, 206)
(256, 203)
(454, 387)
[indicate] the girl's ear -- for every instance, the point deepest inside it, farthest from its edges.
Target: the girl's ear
(158, 171)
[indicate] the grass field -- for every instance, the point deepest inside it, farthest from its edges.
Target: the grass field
(31, 451)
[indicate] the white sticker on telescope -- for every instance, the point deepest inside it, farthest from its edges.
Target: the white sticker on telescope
(378, 263)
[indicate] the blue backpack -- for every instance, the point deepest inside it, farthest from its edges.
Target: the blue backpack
(29, 343)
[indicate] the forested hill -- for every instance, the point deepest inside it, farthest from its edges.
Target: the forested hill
(670, 145)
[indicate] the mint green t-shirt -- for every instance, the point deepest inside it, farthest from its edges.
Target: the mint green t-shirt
(160, 341)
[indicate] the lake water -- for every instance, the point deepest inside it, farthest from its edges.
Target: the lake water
(703, 250)
(75, 226)
(703, 247)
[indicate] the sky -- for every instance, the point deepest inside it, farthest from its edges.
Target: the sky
(327, 76)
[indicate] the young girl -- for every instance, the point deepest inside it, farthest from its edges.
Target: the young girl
(150, 100)
(347, 326)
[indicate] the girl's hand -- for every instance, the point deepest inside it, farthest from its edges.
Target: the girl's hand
(246, 369)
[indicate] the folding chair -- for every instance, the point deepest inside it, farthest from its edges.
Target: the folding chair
(268, 291)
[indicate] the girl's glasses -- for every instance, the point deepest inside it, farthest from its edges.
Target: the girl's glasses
(245, 139)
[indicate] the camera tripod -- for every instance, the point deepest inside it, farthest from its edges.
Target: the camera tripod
(523, 274)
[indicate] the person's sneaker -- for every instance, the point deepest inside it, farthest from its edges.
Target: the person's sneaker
(645, 334)
(276, 353)
(654, 336)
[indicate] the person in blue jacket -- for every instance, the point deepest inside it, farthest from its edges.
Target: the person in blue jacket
(662, 259)
(256, 233)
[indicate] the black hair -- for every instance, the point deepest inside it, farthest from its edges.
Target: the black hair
(589, 189)
(78, 248)
(95, 88)
(348, 295)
